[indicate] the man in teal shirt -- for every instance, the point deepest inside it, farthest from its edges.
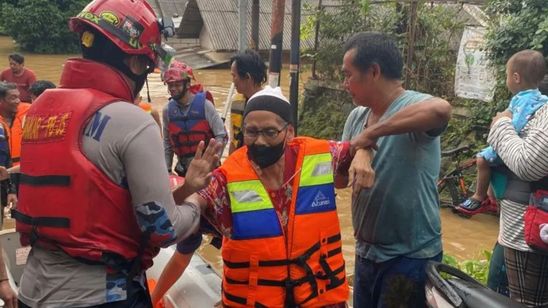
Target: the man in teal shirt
(396, 221)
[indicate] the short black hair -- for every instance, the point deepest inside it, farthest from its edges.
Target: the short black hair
(17, 57)
(250, 62)
(5, 87)
(39, 86)
(379, 48)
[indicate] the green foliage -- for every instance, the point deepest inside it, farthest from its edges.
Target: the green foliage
(434, 56)
(432, 69)
(337, 25)
(477, 269)
(325, 112)
(41, 25)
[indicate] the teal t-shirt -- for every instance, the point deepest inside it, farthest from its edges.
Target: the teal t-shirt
(399, 215)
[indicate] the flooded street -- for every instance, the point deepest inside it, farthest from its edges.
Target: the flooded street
(462, 238)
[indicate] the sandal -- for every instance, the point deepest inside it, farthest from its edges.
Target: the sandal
(470, 204)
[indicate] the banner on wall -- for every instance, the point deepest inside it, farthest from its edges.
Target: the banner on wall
(474, 79)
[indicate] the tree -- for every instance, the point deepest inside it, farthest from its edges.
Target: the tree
(41, 25)
(432, 67)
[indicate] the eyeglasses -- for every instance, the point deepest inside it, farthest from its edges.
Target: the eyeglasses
(269, 133)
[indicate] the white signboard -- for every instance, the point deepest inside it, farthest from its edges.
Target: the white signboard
(473, 78)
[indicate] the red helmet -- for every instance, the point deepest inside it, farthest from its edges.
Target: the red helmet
(178, 71)
(130, 24)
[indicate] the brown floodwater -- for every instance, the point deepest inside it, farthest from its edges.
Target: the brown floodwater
(462, 238)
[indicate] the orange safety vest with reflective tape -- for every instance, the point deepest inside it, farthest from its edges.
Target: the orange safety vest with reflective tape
(15, 132)
(263, 265)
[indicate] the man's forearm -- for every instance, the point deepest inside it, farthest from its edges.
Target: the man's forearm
(426, 116)
(420, 117)
(3, 272)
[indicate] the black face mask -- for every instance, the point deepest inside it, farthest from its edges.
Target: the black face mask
(265, 156)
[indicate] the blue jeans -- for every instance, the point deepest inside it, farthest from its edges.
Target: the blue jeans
(394, 283)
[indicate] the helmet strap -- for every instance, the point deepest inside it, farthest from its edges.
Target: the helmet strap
(148, 91)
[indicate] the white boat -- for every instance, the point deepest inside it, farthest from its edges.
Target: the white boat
(200, 286)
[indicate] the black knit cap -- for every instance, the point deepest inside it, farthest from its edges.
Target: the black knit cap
(270, 99)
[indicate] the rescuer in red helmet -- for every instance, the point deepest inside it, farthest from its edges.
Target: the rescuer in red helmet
(93, 212)
(189, 117)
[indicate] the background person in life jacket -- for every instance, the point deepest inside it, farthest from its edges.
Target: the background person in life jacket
(8, 190)
(120, 210)
(12, 112)
(188, 118)
(9, 104)
(35, 90)
(248, 72)
(277, 187)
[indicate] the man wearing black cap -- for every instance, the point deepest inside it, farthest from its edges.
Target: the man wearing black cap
(274, 202)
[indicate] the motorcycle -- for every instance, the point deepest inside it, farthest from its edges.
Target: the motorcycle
(447, 287)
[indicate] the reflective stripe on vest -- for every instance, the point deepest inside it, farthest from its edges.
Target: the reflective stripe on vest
(253, 213)
(316, 193)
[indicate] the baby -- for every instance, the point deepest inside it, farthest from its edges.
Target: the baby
(524, 72)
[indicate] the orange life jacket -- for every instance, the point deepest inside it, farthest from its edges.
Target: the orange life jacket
(67, 202)
(147, 107)
(263, 267)
(15, 132)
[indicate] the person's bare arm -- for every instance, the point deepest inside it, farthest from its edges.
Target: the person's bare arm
(171, 273)
(429, 115)
(6, 292)
(525, 155)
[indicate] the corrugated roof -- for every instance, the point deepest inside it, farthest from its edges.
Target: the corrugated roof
(168, 8)
(220, 17)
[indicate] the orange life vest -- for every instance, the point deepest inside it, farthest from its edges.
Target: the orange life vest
(263, 267)
(147, 107)
(67, 202)
(15, 132)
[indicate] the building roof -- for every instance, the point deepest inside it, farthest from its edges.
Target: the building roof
(220, 17)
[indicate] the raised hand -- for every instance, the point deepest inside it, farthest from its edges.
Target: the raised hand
(199, 170)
